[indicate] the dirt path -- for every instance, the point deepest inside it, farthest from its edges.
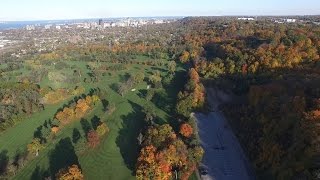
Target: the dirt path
(224, 157)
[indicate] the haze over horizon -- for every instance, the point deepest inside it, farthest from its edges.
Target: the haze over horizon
(19, 10)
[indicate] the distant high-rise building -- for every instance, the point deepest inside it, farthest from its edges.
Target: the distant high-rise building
(30, 27)
(48, 26)
(291, 20)
(100, 22)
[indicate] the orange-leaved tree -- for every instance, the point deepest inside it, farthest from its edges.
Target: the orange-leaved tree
(93, 138)
(186, 130)
(72, 173)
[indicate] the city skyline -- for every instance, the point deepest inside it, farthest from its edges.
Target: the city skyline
(19, 10)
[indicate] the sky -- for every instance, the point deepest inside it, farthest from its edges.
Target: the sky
(13, 10)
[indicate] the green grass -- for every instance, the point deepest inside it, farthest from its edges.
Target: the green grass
(116, 155)
(17, 137)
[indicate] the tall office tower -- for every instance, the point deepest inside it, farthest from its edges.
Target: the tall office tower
(100, 22)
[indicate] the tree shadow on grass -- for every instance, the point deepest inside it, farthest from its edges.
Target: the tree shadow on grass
(95, 122)
(127, 138)
(162, 100)
(38, 134)
(4, 162)
(20, 157)
(177, 84)
(114, 87)
(76, 135)
(124, 77)
(105, 104)
(85, 126)
(39, 174)
(142, 93)
(62, 156)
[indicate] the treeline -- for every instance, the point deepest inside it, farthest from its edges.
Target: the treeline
(16, 101)
(77, 110)
(276, 68)
(232, 48)
(167, 153)
(193, 97)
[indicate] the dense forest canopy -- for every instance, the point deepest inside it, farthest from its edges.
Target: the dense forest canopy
(275, 67)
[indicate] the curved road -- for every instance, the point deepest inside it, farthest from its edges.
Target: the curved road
(224, 158)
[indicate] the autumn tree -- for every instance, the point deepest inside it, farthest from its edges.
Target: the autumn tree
(148, 167)
(95, 99)
(186, 130)
(102, 129)
(155, 78)
(139, 77)
(55, 129)
(150, 94)
(163, 152)
(159, 136)
(72, 173)
(196, 154)
(93, 138)
(35, 146)
(184, 105)
(194, 76)
(82, 106)
(185, 56)
(66, 115)
(150, 114)
(193, 97)
(172, 66)
(78, 110)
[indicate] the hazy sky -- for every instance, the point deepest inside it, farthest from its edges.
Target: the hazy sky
(75, 9)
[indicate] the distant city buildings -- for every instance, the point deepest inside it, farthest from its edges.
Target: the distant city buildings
(158, 22)
(246, 19)
(291, 20)
(106, 25)
(102, 24)
(30, 27)
(284, 20)
(279, 20)
(4, 43)
(48, 26)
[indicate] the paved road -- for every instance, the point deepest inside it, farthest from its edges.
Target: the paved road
(224, 157)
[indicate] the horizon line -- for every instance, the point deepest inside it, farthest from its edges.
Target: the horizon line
(168, 16)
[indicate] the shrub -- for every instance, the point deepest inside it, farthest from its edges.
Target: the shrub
(102, 129)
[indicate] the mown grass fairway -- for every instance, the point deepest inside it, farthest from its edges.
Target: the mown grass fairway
(116, 155)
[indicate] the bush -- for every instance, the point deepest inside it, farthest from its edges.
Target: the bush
(167, 80)
(102, 129)
(150, 94)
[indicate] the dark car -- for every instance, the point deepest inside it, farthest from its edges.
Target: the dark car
(203, 171)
